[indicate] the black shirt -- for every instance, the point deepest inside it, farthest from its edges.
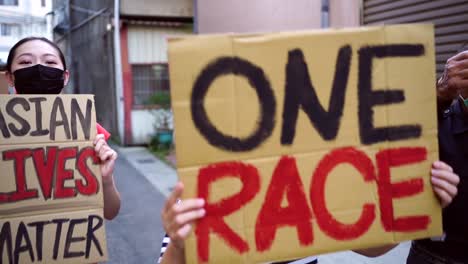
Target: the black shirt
(453, 150)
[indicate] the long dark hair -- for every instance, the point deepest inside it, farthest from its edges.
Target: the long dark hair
(12, 53)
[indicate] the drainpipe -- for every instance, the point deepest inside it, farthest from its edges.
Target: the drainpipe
(325, 19)
(118, 73)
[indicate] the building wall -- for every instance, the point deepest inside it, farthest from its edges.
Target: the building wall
(214, 16)
(344, 13)
(28, 18)
(88, 43)
(85, 31)
(147, 45)
(157, 8)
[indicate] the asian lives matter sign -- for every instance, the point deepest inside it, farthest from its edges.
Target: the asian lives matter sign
(51, 201)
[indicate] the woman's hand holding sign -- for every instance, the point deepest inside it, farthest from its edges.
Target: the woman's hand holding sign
(107, 156)
(178, 217)
(444, 182)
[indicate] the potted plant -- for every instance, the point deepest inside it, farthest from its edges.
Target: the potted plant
(161, 99)
(164, 133)
(163, 114)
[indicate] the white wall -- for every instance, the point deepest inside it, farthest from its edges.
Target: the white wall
(245, 16)
(344, 13)
(149, 44)
(142, 126)
(144, 123)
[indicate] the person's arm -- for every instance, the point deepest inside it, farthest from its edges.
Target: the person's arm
(177, 217)
(111, 200)
(444, 184)
(111, 196)
(173, 255)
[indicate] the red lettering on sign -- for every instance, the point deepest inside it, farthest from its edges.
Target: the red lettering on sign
(63, 174)
(91, 184)
(50, 167)
(45, 169)
(285, 180)
(286, 183)
(387, 190)
(213, 221)
(325, 219)
(22, 192)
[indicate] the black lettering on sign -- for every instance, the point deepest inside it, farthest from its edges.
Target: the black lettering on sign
(257, 79)
(19, 248)
(37, 104)
(3, 126)
(54, 122)
(58, 233)
(39, 225)
(368, 98)
(85, 120)
(300, 92)
(24, 125)
(5, 241)
(92, 227)
(70, 239)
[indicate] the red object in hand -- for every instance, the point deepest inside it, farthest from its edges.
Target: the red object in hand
(101, 130)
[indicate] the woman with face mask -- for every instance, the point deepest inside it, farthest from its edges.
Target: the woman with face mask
(36, 65)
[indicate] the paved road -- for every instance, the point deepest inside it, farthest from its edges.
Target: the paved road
(135, 235)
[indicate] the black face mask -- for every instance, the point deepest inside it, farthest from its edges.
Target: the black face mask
(39, 79)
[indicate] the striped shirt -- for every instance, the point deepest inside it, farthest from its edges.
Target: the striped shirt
(308, 260)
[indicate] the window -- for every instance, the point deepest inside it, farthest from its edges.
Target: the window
(147, 80)
(9, 29)
(9, 2)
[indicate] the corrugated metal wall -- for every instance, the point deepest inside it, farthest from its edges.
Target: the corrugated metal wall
(450, 18)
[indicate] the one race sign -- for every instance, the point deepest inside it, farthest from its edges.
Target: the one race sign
(306, 142)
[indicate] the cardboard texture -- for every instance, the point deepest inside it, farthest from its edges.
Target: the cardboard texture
(51, 201)
(352, 171)
(3, 83)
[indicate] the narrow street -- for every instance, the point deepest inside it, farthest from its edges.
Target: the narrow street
(135, 235)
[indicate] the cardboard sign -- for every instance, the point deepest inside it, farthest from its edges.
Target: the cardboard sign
(51, 203)
(308, 142)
